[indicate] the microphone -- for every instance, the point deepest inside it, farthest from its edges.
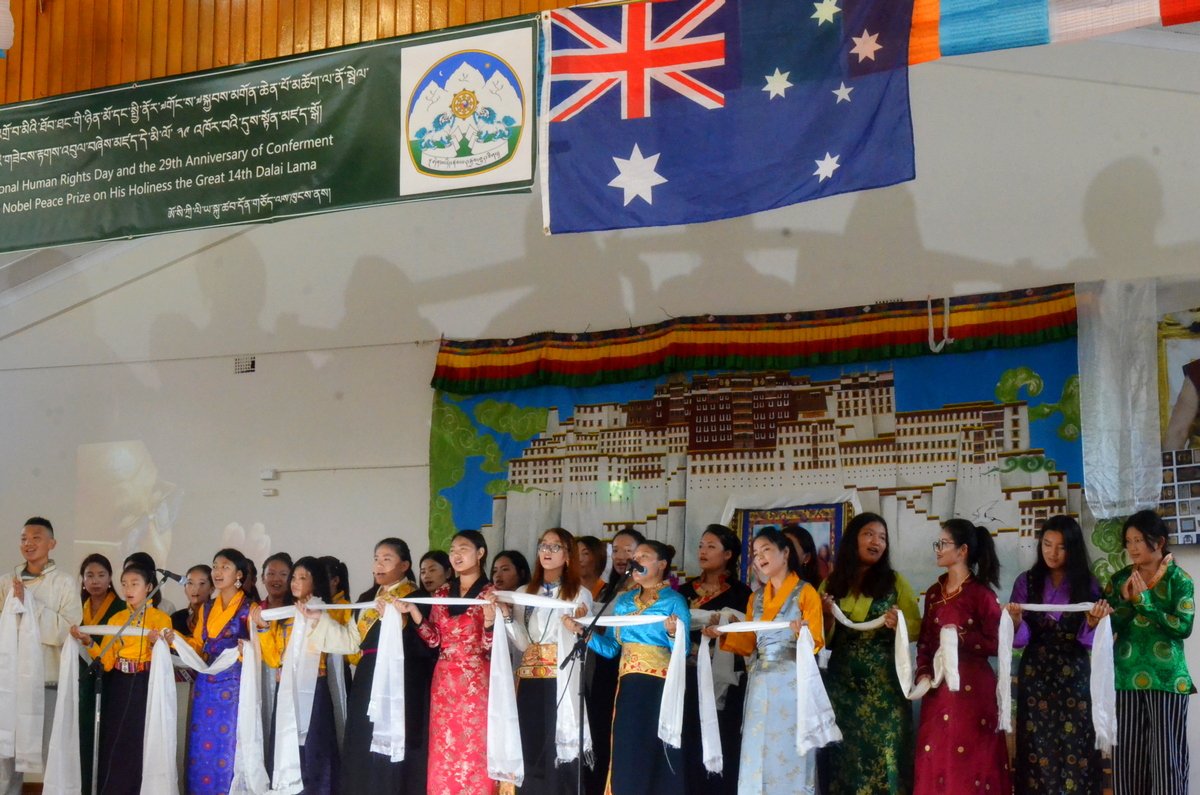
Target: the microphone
(637, 568)
(170, 575)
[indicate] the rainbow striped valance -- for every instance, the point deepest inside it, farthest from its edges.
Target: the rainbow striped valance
(958, 27)
(757, 342)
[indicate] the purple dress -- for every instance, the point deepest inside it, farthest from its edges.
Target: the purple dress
(212, 735)
(1055, 741)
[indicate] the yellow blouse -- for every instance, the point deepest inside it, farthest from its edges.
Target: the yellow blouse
(130, 647)
(274, 638)
(90, 618)
(744, 643)
(216, 616)
(856, 607)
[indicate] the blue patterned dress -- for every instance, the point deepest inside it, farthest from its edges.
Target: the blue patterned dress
(212, 735)
(769, 762)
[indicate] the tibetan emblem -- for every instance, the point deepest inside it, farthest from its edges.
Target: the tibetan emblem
(465, 116)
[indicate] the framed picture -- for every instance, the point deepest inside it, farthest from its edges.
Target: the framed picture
(1179, 396)
(824, 522)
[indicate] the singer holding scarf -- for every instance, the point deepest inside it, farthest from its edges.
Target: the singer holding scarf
(872, 709)
(56, 607)
(319, 756)
(534, 632)
(1056, 743)
(100, 603)
(602, 686)
(127, 684)
(362, 769)
(717, 588)
(642, 764)
(223, 623)
(958, 747)
(769, 762)
(1153, 610)
(459, 695)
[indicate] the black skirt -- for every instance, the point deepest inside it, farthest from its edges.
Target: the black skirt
(642, 764)
(729, 720)
(601, 695)
(122, 728)
(320, 761)
(367, 772)
(537, 708)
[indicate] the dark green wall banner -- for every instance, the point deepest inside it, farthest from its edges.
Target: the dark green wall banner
(413, 118)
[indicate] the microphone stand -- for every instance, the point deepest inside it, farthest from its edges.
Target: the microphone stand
(579, 652)
(94, 670)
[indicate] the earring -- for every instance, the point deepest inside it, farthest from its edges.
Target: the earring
(238, 584)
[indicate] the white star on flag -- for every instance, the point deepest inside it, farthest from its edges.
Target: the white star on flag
(842, 94)
(825, 11)
(637, 177)
(777, 84)
(825, 168)
(865, 46)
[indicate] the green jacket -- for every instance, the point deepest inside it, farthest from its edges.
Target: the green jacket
(1149, 632)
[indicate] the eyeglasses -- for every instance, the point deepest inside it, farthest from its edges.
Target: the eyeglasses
(941, 543)
(553, 549)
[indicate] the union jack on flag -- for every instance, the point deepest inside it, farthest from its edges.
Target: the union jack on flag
(683, 111)
(637, 56)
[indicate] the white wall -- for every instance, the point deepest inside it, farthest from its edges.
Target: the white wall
(1034, 167)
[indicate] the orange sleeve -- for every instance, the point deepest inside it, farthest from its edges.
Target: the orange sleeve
(810, 608)
(742, 643)
(196, 639)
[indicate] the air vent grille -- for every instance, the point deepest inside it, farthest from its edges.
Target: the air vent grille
(243, 364)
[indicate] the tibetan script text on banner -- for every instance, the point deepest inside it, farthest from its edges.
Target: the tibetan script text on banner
(410, 118)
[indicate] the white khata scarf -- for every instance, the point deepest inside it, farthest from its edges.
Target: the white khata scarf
(670, 708)
(22, 683)
(945, 660)
(714, 675)
(300, 669)
(1103, 687)
(159, 776)
(816, 726)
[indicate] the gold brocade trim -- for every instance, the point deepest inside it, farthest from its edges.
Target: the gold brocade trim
(540, 661)
(644, 658)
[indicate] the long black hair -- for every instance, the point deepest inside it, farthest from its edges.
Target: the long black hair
(319, 572)
(243, 566)
(1151, 526)
(337, 568)
(1078, 568)
(808, 569)
(144, 560)
(878, 579)
(730, 543)
(519, 562)
(479, 542)
(981, 549)
(780, 541)
(662, 551)
(400, 547)
(99, 560)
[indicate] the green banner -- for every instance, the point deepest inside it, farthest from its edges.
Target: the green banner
(419, 117)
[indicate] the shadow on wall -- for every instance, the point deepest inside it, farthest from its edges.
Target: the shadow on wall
(597, 281)
(577, 282)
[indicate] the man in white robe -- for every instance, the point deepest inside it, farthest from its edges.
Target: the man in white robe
(57, 605)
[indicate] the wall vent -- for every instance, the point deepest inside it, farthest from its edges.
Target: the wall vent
(243, 364)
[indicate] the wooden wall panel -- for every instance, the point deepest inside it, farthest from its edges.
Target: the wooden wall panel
(64, 46)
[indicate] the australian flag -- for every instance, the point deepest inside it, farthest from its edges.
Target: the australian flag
(682, 111)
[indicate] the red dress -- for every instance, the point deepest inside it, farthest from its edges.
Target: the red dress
(958, 747)
(459, 696)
